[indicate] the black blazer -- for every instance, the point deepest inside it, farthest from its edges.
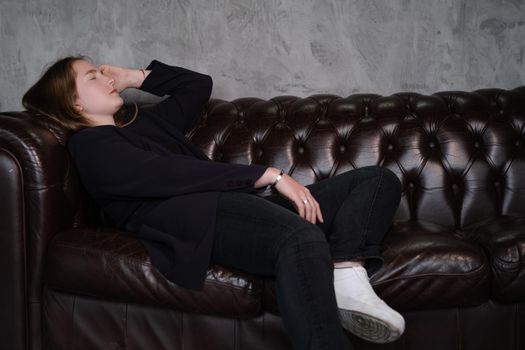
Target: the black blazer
(150, 179)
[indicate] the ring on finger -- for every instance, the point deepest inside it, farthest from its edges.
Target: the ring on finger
(305, 201)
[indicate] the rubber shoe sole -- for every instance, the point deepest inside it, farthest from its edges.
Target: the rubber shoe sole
(368, 327)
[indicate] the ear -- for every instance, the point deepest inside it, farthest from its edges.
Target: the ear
(78, 108)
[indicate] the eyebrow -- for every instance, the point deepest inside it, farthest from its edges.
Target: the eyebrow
(91, 71)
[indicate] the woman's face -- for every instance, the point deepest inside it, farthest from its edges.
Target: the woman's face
(97, 99)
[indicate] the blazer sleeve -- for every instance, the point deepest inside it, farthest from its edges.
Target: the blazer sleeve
(112, 168)
(188, 92)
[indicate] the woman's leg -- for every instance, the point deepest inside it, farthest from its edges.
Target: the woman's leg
(263, 238)
(358, 207)
(360, 204)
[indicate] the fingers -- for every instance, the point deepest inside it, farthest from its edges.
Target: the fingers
(110, 70)
(316, 212)
(301, 210)
(104, 68)
(312, 205)
(310, 209)
(319, 214)
(305, 204)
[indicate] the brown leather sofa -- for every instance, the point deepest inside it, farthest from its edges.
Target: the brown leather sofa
(454, 256)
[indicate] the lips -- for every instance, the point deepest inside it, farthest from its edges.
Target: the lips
(113, 91)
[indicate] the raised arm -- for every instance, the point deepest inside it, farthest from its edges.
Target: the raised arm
(188, 93)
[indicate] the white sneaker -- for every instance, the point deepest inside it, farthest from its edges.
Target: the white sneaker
(361, 311)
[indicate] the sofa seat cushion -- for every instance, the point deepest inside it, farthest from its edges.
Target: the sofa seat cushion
(113, 265)
(504, 239)
(428, 266)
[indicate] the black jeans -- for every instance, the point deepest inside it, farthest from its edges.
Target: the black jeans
(266, 236)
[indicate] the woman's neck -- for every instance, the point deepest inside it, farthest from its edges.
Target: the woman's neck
(101, 120)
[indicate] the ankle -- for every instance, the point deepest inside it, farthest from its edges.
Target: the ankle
(345, 264)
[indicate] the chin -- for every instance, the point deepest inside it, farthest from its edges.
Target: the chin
(119, 104)
(121, 101)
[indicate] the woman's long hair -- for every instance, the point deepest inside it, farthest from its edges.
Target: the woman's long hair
(54, 95)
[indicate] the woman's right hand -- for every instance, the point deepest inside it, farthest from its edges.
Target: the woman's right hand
(123, 77)
(297, 193)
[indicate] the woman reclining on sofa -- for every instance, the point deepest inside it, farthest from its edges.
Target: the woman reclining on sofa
(320, 242)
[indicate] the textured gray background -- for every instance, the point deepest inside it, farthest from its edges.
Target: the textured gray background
(265, 48)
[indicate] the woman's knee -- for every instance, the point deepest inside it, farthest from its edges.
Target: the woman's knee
(392, 180)
(389, 178)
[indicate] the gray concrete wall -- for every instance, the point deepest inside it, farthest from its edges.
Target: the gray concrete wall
(265, 48)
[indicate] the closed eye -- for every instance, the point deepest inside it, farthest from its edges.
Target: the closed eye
(92, 72)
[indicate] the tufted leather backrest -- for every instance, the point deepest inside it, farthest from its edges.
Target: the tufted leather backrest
(458, 154)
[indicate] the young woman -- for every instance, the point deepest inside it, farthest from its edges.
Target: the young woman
(320, 242)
